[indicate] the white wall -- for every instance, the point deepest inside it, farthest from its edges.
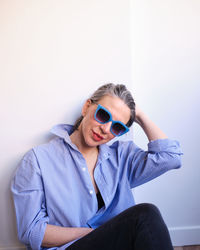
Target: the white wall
(53, 55)
(166, 77)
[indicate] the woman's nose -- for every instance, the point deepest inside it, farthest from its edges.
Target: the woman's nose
(106, 127)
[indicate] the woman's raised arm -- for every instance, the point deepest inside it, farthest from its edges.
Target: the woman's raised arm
(152, 131)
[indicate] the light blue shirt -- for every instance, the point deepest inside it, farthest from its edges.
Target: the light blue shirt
(52, 183)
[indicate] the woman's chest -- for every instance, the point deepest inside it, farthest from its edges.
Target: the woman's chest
(91, 164)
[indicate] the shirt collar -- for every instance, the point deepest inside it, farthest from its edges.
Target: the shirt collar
(104, 151)
(65, 130)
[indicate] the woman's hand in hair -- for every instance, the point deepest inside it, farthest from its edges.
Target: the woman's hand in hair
(152, 131)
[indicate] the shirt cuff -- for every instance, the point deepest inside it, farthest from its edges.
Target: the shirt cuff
(167, 145)
(37, 234)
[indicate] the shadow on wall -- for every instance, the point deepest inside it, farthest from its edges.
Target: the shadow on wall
(8, 221)
(8, 231)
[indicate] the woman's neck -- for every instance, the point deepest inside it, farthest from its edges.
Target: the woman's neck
(79, 141)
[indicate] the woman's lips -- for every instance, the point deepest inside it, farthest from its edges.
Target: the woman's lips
(97, 137)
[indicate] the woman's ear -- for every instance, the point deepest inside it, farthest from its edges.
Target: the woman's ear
(85, 107)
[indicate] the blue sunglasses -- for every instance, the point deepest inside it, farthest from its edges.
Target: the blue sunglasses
(102, 115)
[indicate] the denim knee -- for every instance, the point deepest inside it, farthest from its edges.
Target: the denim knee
(147, 210)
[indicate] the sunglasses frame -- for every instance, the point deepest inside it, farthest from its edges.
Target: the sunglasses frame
(110, 119)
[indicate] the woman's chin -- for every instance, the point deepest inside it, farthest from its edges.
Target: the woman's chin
(91, 142)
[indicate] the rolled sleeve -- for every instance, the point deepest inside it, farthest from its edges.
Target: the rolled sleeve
(29, 201)
(162, 155)
(170, 146)
(37, 234)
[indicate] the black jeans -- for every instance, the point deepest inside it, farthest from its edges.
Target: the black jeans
(140, 227)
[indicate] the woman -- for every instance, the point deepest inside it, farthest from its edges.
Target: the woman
(75, 191)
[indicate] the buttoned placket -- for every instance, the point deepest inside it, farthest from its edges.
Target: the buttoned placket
(84, 169)
(85, 172)
(97, 175)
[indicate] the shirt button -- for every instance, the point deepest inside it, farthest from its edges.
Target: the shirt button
(83, 169)
(91, 191)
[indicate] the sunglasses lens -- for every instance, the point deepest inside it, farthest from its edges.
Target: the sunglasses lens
(118, 128)
(102, 116)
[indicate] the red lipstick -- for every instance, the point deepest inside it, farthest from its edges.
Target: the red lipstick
(97, 137)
